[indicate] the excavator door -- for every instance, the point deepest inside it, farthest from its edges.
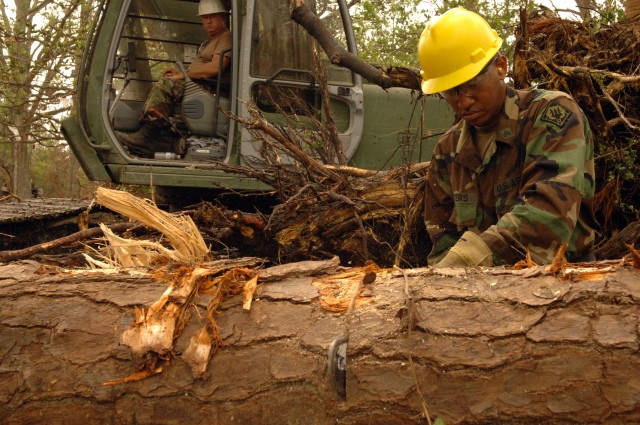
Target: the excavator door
(280, 72)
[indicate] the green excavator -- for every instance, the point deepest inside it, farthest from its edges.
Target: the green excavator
(132, 41)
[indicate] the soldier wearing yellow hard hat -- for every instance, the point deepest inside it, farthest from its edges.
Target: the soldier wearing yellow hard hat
(515, 175)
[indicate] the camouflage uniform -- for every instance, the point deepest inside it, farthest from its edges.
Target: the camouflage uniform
(158, 107)
(167, 92)
(532, 190)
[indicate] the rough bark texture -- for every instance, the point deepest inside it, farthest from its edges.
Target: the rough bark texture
(486, 347)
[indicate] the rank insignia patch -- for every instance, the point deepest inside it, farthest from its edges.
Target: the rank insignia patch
(556, 114)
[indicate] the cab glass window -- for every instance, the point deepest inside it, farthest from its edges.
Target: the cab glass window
(155, 35)
(281, 46)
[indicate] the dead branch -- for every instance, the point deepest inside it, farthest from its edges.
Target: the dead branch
(10, 196)
(259, 123)
(301, 268)
(20, 254)
(615, 247)
(385, 78)
(335, 145)
(571, 71)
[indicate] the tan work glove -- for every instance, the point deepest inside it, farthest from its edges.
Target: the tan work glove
(469, 251)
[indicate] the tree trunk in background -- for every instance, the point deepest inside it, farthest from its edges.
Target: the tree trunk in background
(22, 167)
(585, 7)
(19, 58)
(632, 9)
(489, 347)
(73, 188)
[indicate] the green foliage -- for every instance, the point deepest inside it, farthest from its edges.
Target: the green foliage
(388, 31)
(41, 45)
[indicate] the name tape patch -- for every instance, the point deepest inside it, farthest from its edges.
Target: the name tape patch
(465, 198)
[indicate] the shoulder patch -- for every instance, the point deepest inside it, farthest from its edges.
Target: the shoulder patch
(556, 114)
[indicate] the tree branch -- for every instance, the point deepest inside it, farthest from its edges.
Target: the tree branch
(18, 254)
(391, 77)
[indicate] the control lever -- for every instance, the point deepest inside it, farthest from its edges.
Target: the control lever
(182, 69)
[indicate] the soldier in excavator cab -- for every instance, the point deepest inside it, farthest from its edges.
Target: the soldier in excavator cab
(158, 127)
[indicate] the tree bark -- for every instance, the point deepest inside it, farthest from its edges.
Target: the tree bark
(632, 10)
(481, 347)
(616, 246)
(22, 165)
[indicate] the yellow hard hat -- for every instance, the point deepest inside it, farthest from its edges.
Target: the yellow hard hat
(453, 48)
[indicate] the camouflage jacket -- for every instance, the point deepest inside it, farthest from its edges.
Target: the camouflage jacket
(532, 190)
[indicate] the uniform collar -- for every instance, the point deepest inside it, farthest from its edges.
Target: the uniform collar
(505, 132)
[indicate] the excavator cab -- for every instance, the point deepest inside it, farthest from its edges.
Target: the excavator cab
(199, 123)
(273, 70)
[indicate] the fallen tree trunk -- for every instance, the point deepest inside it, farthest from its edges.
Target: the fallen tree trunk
(480, 347)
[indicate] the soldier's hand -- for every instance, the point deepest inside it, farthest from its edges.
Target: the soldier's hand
(452, 259)
(167, 72)
(469, 251)
(177, 76)
(172, 74)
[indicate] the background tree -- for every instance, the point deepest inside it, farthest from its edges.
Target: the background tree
(40, 43)
(388, 30)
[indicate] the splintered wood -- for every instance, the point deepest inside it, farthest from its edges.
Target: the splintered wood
(198, 353)
(180, 230)
(341, 292)
(576, 272)
(154, 330)
(123, 252)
